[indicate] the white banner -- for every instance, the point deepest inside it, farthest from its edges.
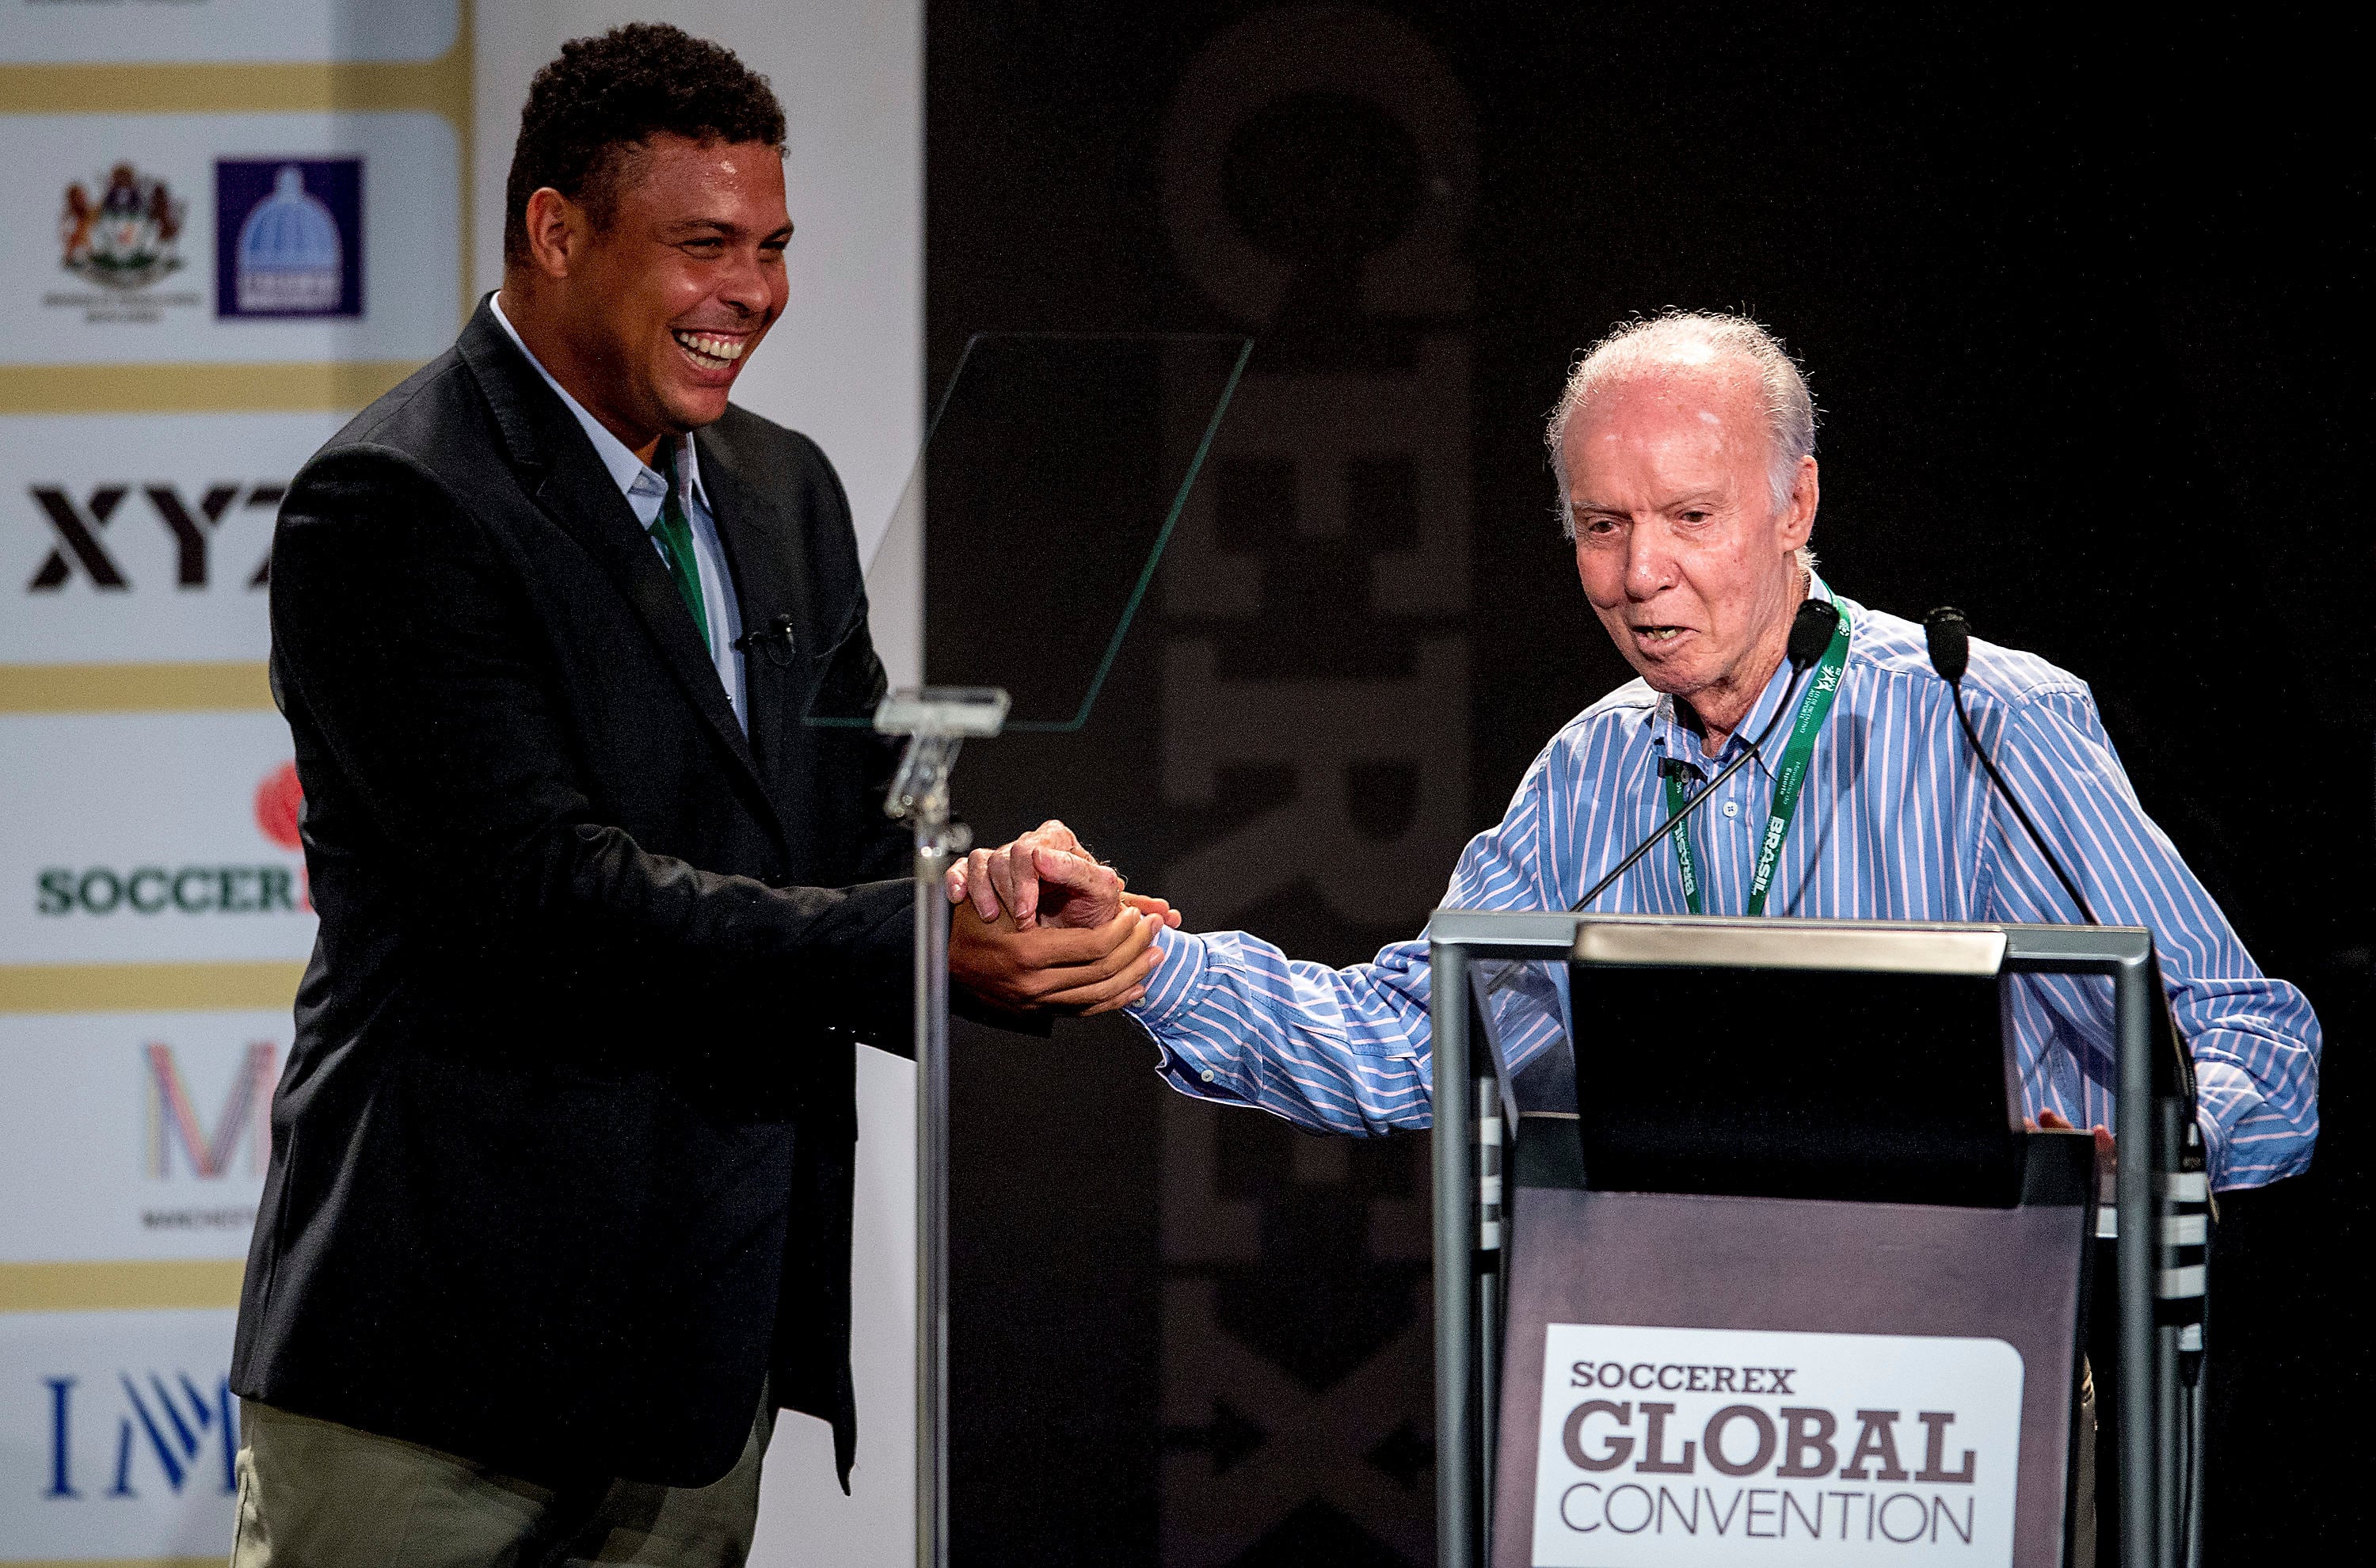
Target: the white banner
(141, 537)
(116, 1435)
(150, 839)
(164, 1119)
(175, 32)
(1694, 1448)
(213, 238)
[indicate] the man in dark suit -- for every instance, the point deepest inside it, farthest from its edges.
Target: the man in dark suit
(559, 1205)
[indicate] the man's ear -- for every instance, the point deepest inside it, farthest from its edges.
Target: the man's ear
(1798, 521)
(556, 231)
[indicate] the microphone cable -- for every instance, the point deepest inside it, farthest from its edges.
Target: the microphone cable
(1811, 633)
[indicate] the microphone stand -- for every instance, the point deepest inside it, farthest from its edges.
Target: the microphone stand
(937, 720)
(2004, 792)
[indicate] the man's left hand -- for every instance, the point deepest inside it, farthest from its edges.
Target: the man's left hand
(1046, 877)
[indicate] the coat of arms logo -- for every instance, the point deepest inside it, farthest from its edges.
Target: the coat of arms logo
(123, 237)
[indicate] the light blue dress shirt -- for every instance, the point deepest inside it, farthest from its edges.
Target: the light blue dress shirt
(644, 488)
(1897, 823)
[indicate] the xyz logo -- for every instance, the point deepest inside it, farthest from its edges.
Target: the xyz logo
(81, 547)
(182, 1432)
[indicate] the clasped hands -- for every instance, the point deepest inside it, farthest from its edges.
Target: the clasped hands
(1041, 926)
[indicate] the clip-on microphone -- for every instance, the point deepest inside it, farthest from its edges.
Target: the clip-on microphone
(1811, 633)
(775, 638)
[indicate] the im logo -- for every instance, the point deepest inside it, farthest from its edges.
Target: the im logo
(179, 1431)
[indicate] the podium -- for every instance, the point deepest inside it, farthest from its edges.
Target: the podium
(1780, 1277)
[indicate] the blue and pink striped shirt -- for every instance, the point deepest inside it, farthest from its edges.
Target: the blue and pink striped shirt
(1897, 823)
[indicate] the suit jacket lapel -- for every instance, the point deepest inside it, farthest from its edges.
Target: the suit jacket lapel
(768, 583)
(566, 477)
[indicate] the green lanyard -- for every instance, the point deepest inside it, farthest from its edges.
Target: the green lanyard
(1796, 753)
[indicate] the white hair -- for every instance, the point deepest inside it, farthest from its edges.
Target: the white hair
(1687, 340)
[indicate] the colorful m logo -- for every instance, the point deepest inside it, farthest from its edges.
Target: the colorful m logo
(248, 1110)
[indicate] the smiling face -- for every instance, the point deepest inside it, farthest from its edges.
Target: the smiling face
(648, 317)
(1682, 553)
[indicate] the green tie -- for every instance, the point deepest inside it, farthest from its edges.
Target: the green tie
(675, 536)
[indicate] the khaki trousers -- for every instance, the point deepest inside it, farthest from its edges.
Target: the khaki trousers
(315, 1495)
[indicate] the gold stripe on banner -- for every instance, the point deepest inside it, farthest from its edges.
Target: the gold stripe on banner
(281, 87)
(252, 987)
(148, 1285)
(235, 687)
(183, 387)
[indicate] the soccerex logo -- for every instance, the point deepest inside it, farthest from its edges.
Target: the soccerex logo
(260, 888)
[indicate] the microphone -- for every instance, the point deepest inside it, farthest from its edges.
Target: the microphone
(1949, 636)
(776, 638)
(1811, 633)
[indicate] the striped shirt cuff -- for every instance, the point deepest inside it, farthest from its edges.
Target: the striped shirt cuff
(1186, 1061)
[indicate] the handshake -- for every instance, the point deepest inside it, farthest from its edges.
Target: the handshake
(1039, 926)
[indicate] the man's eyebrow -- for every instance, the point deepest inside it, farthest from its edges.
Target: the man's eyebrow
(726, 227)
(1690, 498)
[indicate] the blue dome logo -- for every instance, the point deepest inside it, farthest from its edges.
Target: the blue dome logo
(289, 237)
(290, 258)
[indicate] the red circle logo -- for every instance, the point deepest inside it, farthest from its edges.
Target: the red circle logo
(277, 800)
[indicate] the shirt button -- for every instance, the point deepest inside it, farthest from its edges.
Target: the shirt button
(1206, 1075)
(1732, 808)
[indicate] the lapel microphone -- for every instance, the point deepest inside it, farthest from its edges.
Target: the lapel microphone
(775, 639)
(1811, 633)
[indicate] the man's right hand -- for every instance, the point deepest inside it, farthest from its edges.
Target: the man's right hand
(1080, 970)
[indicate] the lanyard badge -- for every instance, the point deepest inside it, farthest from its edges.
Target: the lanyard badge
(1789, 781)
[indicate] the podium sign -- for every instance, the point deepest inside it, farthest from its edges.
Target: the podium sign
(1917, 1408)
(1681, 1447)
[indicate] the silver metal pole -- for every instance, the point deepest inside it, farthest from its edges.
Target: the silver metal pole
(2135, 1201)
(936, 720)
(932, 857)
(1491, 1228)
(2168, 1495)
(1456, 1264)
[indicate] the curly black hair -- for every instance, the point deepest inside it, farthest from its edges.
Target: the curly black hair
(589, 110)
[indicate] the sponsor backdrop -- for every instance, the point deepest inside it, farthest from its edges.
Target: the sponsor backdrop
(230, 224)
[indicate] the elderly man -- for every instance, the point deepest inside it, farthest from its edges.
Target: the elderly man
(1684, 448)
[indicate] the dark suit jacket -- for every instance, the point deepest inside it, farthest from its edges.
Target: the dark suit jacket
(561, 1162)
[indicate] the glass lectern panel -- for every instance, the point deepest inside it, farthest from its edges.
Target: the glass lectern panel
(1523, 1007)
(1052, 475)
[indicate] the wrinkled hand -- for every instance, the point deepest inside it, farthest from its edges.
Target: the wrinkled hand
(1046, 878)
(1080, 969)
